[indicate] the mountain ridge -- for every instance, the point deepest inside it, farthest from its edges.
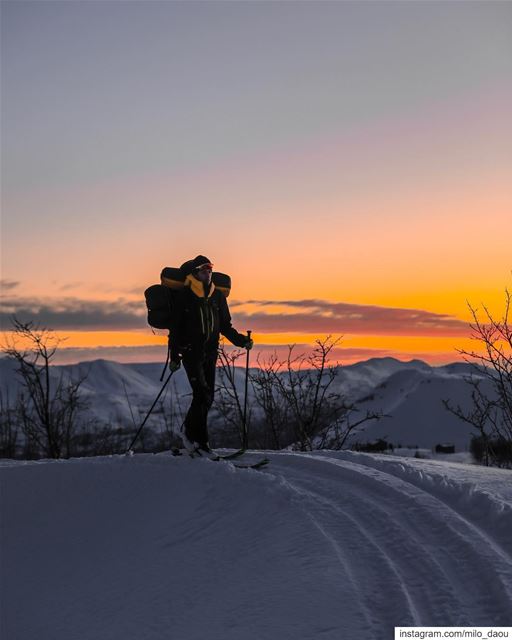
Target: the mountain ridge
(409, 393)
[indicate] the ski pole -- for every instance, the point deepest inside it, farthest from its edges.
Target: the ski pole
(245, 438)
(129, 450)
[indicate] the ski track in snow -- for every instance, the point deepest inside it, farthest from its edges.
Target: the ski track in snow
(427, 564)
(323, 546)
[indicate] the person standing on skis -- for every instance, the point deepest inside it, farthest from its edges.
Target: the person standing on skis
(199, 315)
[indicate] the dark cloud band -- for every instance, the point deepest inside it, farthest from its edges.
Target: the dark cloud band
(305, 316)
(73, 314)
(8, 285)
(321, 316)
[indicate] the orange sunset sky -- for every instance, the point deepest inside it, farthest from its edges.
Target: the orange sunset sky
(349, 164)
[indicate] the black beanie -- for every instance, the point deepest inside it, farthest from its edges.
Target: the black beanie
(190, 265)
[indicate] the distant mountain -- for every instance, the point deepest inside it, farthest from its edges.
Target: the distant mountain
(413, 401)
(113, 390)
(358, 380)
(410, 393)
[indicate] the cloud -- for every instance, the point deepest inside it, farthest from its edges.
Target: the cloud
(101, 287)
(74, 313)
(321, 316)
(261, 316)
(70, 286)
(8, 285)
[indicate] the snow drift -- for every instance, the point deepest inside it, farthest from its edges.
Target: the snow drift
(326, 545)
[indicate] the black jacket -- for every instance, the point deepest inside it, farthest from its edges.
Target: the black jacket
(199, 314)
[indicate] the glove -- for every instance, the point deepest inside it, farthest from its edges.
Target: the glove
(249, 343)
(174, 365)
(175, 362)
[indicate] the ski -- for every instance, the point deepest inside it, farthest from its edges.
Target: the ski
(218, 458)
(231, 456)
(214, 455)
(256, 465)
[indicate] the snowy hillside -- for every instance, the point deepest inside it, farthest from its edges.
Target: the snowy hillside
(328, 545)
(409, 393)
(360, 379)
(112, 388)
(414, 397)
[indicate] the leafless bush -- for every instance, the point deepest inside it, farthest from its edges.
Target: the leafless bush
(9, 431)
(274, 430)
(295, 400)
(48, 417)
(491, 410)
(320, 415)
(228, 403)
(48, 408)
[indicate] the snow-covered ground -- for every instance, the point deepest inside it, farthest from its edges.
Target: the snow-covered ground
(327, 545)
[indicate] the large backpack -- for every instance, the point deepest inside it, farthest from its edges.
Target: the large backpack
(160, 297)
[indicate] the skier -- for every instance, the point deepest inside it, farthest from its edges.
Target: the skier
(199, 314)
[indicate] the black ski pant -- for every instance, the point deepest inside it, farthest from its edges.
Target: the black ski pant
(200, 370)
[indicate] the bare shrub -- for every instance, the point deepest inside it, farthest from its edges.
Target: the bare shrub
(48, 408)
(228, 402)
(9, 431)
(491, 409)
(295, 401)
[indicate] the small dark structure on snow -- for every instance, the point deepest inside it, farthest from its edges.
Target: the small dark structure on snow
(446, 447)
(376, 446)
